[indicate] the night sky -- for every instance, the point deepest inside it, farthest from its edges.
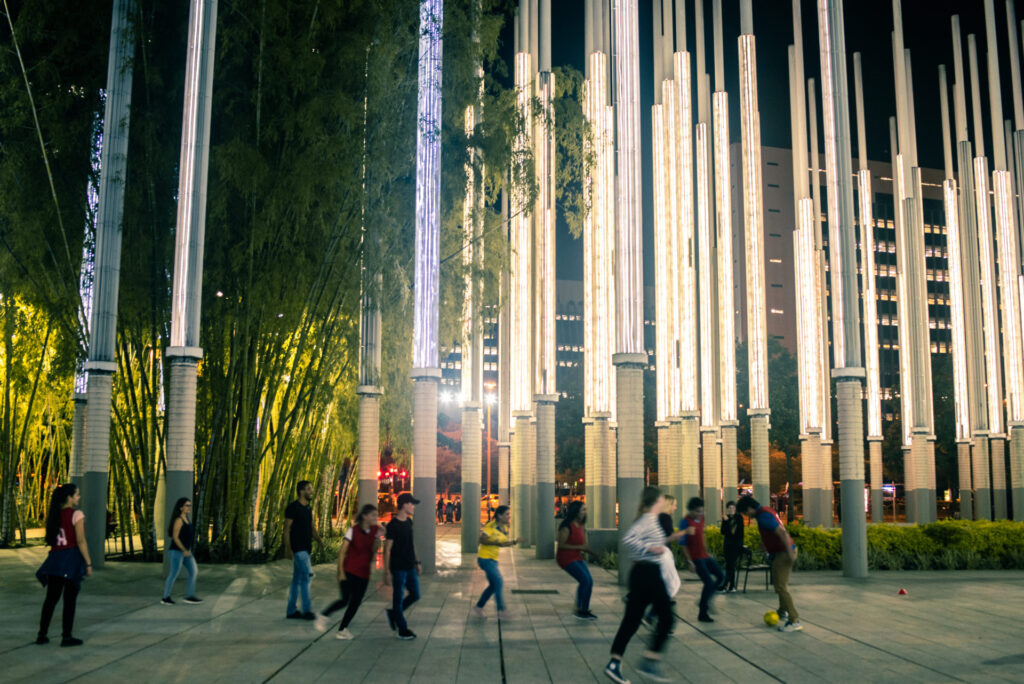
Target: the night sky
(927, 34)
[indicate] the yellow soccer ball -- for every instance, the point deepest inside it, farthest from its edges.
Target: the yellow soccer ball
(771, 618)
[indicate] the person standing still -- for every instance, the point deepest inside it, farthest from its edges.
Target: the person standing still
(403, 566)
(701, 563)
(732, 543)
(299, 534)
(182, 535)
(67, 563)
(780, 547)
(440, 510)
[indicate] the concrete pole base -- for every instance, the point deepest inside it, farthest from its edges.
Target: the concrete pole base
(96, 462)
(963, 459)
(424, 464)
(1017, 469)
(730, 467)
(545, 509)
(982, 486)
(369, 447)
(875, 462)
(760, 470)
(711, 461)
(851, 473)
(998, 450)
(629, 376)
(471, 468)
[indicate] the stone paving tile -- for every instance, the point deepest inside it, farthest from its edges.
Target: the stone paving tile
(953, 626)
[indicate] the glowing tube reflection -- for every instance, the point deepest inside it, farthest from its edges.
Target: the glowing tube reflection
(707, 333)
(428, 186)
(1009, 295)
(753, 210)
(726, 296)
(963, 416)
(688, 339)
(988, 296)
(867, 231)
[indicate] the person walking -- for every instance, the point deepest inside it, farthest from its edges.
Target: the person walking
(355, 560)
(299, 534)
(66, 564)
(440, 509)
(403, 566)
(733, 527)
(645, 542)
(700, 562)
(572, 544)
(782, 551)
(493, 536)
(182, 535)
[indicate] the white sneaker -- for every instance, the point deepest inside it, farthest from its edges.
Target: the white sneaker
(791, 627)
(322, 621)
(344, 635)
(479, 612)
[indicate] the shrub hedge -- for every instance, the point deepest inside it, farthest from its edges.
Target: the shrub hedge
(943, 545)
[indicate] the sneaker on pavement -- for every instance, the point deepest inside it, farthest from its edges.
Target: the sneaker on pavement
(791, 627)
(614, 671)
(71, 641)
(406, 634)
(294, 616)
(783, 615)
(322, 622)
(584, 615)
(391, 619)
(193, 600)
(651, 669)
(344, 634)
(479, 612)
(704, 617)
(167, 601)
(309, 616)
(504, 615)
(42, 639)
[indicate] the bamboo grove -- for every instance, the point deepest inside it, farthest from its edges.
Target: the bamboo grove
(311, 180)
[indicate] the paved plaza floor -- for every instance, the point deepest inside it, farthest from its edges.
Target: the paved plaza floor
(951, 626)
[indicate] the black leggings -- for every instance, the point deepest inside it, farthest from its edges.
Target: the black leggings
(645, 588)
(352, 591)
(54, 587)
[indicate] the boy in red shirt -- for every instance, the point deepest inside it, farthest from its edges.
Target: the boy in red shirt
(706, 567)
(782, 550)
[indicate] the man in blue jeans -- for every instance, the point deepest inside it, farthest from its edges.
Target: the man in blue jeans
(706, 567)
(299, 534)
(403, 566)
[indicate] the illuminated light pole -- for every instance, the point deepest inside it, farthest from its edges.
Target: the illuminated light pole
(630, 357)
(961, 386)
(599, 270)
(101, 364)
(753, 212)
(1009, 275)
(544, 216)
(971, 289)
(870, 302)
(726, 337)
(426, 372)
(504, 376)
(983, 481)
(916, 384)
(847, 371)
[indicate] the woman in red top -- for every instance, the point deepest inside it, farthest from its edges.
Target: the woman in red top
(66, 564)
(355, 560)
(572, 543)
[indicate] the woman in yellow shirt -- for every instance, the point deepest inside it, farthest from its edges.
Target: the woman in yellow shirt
(492, 537)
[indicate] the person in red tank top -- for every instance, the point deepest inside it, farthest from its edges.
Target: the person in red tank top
(781, 549)
(66, 564)
(572, 544)
(355, 561)
(706, 567)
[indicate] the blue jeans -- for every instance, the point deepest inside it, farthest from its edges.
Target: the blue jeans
(581, 573)
(494, 583)
(302, 577)
(402, 580)
(706, 567)
(177, 560)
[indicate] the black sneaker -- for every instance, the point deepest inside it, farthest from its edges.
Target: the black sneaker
(71, 641)
(42, 639)
(294, 616)
(406, 634)
(614, 671)
(651, 669)
(704, 617)
(584, 615)
(167, 601)
(391, 619)
(193, 600)
(308, 616)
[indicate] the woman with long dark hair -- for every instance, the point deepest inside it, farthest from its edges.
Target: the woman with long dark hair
(182, 536)
(66, 564)
(355, 560)
(572, 544)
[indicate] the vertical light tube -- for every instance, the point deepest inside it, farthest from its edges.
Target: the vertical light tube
(688, 339)
(723, 220)
(662, 288)
(704, 254)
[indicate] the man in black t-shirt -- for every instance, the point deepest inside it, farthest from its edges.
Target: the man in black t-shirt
(299, 534)
(403, 566)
